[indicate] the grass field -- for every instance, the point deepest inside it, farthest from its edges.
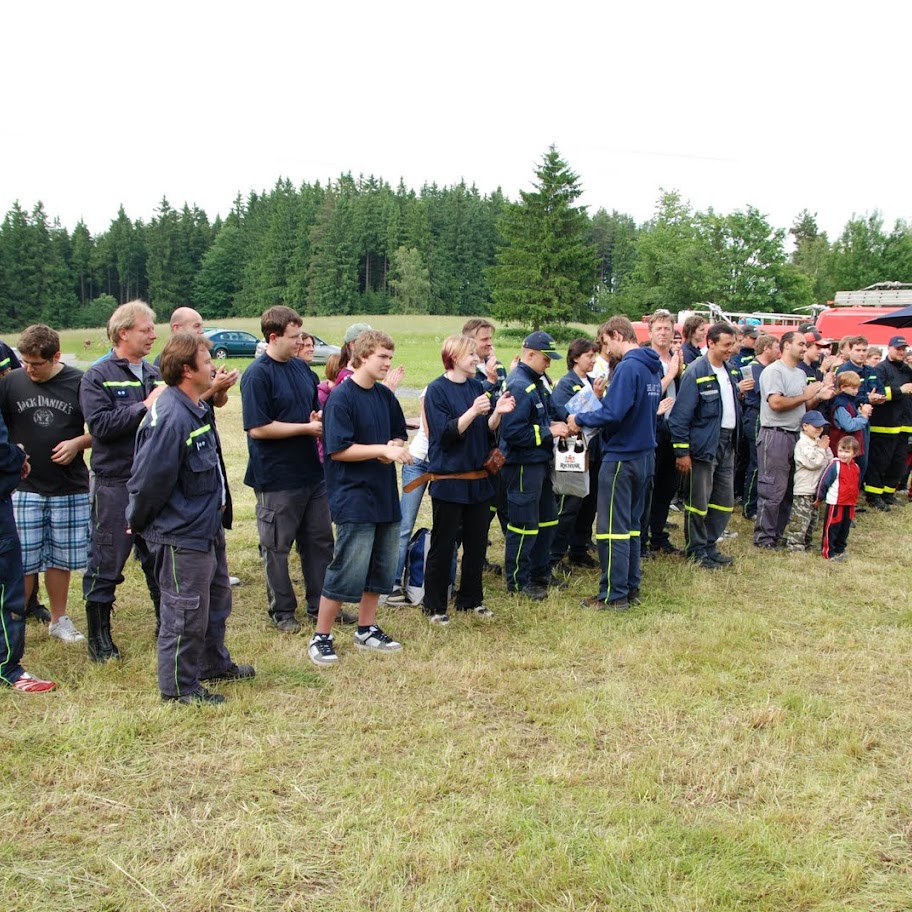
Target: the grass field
(738, 742)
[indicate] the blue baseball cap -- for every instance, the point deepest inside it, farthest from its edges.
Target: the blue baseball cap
(541, 341)
(813, 417)
(898, 342)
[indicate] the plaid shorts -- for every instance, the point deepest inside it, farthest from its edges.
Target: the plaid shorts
(54, 531)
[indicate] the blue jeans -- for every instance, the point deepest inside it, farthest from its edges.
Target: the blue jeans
(364, 561)
(409, 505)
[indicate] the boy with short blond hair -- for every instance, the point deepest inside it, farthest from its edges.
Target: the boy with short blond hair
(812, 453)
(839, 489)
(363, 440)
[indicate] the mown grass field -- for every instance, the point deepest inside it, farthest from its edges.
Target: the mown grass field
(738, 742)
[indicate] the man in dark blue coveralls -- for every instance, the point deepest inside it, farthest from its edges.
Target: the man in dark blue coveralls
(527, 440)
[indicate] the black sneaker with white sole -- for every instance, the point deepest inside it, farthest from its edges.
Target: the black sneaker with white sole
(398, 597)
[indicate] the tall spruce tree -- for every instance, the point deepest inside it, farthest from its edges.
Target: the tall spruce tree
(545, 268)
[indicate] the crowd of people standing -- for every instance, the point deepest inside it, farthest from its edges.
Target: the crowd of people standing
(719, 416)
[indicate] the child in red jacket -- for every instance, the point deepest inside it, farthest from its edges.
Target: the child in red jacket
(839, 489)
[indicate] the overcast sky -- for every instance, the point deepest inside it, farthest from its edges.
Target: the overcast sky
(783, 106)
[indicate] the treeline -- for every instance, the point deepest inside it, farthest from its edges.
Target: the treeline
(362, 246)
(739, 260)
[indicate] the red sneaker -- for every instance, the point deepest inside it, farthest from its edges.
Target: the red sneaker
(29, 684)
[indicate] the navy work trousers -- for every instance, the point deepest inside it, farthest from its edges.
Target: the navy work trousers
(195, 604)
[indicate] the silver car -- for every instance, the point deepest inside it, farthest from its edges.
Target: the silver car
(322, 350)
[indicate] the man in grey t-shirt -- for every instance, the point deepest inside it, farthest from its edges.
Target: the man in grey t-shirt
(785, 395)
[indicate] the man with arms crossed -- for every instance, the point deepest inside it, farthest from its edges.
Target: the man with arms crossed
(364, 438)
(653, 534)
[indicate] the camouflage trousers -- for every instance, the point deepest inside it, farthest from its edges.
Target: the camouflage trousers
(799, 532)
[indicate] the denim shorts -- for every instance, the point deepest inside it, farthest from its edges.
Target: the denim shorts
(364, 560)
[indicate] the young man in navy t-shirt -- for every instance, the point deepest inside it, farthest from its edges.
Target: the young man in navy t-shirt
(283, 422)
(364, 436)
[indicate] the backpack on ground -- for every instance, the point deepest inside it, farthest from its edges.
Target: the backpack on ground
(415, 561)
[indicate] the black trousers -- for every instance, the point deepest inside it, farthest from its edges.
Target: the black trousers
(110, 544)
(664, 486)
(836, 525)
(886, 463)
(449, 518)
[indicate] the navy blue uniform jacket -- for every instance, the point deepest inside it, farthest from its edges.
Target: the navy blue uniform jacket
(696, 419)
(176, 487)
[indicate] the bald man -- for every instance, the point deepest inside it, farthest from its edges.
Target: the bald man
(186, 319)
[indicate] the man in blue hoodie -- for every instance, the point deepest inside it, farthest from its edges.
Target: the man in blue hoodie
(627, 419)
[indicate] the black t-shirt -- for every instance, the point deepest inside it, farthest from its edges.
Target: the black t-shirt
(361, 492)
(280, 391)
(449, 451)
(39, 416)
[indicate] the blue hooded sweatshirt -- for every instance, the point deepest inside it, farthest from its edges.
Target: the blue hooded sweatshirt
(627, 417)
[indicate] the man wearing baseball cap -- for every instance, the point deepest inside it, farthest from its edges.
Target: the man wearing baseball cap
(746, 354)
(527, 440)
(891, 424)
(810, 363)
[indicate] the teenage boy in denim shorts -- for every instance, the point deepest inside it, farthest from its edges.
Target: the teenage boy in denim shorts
(364, 436)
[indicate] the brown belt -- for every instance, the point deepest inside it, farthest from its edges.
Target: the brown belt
(434, 476)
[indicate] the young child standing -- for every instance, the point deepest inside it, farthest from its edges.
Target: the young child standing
(812, 452)
(839, 489)
(849, 417)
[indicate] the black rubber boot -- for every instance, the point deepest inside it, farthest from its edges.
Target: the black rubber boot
(93, 632)
(110, 647)
(101, 646)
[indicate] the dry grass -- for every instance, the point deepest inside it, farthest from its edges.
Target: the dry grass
(740, 741)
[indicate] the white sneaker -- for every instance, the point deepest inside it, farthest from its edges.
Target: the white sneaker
(321, 650)
(483, 611)
(376, 640)
(439, 620)
(234, 581)
(65, 631)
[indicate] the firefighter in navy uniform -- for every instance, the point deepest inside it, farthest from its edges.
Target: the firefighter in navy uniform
(891, 424)
(176, 499)
(115, 394)
(527, 440)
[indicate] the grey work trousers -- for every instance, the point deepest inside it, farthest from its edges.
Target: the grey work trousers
(294, 518)
(775, 473)
(709, 498)
(110, 542)
(195, 604)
